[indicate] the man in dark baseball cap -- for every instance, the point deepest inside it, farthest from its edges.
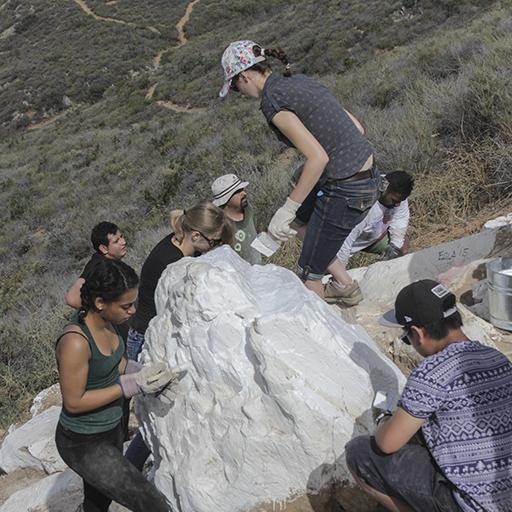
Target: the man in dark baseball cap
(460, 396)
(421, 303)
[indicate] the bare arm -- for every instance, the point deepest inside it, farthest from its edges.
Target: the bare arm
(73, 296)
(73, 356)
(399, 223)
(316, 157)
(394, 433)
(359, 126)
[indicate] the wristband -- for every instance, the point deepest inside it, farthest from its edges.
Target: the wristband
(381, 416)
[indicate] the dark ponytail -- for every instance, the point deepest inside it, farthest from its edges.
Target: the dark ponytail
(276, 53)
(109, 280)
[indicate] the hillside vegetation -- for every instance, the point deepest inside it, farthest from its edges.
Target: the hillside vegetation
(104, 115)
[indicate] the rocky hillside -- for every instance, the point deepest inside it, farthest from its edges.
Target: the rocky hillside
(108, 110)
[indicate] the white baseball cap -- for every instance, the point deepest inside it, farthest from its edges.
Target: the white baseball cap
(237, 57)
(225, 186)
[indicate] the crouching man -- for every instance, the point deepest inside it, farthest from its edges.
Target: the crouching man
(460, 396)
(383, 230)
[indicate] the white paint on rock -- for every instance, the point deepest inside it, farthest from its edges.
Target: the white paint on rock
(381, 282)
(33, 445)
(498, 222)
(44, 397)
(60, 492)
(277, 383)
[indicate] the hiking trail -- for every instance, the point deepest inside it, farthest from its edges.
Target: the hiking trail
(182, 39)
(46, 121)
(90, 12)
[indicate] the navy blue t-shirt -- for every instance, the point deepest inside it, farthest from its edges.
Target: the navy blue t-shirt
(323, 116)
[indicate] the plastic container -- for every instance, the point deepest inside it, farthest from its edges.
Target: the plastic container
(499, 284)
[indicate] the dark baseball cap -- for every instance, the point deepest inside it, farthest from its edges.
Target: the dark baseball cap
(420, 303)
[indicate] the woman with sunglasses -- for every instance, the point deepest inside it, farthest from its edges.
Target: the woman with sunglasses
(338, 183)
(194, 231)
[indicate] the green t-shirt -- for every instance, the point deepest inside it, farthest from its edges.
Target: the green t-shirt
(245, 233)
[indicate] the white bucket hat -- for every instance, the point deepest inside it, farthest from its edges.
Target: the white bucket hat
(225, 186)
(237, 57)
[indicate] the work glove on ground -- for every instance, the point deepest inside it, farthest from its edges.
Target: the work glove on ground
(279, 226)
(390, 253)
(148, 380)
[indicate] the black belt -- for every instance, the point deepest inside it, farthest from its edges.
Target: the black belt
(361, 175)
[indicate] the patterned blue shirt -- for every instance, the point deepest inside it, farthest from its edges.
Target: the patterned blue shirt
(464, 393)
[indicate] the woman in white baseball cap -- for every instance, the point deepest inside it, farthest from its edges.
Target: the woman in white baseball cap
(339, 182)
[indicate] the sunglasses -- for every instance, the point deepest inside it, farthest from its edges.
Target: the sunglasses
(405, 337)
(233, 85)
(212, 242)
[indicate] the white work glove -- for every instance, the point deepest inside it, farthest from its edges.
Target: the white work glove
(169, 393)
(149, 380)
(279, 226)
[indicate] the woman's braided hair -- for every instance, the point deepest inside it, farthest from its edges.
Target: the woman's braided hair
(109, 280)
(276, 53)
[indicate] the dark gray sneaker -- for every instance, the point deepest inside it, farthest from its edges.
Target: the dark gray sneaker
(349, 295)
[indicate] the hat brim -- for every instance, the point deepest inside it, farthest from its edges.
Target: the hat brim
(221, 201)
(388, 319)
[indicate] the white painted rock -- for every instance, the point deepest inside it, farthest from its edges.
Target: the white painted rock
(45, 399)
(60, 492)
(33, 445)
(277, 383)
(503, 220)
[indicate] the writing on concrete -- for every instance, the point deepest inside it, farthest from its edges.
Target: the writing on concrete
(450, 255)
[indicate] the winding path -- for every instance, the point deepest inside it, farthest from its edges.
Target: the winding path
(182, 39)
(90, 12)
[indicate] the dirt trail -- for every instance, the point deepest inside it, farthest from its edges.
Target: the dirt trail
(180, 108)
(182, 39)
(180, 26)
(46, 122)
(90, 12)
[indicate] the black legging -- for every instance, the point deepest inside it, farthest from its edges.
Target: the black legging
(107, 475)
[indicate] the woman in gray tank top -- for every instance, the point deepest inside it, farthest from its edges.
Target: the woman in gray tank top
(338, 184)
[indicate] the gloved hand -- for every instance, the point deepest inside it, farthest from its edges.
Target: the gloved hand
(279, 226)
(150, 379)
(169, 393)
(390, 253)
(132, 367)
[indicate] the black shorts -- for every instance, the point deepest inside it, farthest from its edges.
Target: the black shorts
(410, 474)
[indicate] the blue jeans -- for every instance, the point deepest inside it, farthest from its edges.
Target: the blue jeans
(137, 452)
(331, 211)
(134, 344)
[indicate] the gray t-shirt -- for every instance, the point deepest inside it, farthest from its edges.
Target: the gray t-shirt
(323, 116)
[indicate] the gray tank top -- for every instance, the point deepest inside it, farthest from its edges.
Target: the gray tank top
(323, 116)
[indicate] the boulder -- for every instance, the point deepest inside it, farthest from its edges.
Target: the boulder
(60, 492)
(277, 383)
(33, 445)
(45, 399)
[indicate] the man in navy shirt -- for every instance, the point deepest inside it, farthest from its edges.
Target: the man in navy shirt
(460, 396)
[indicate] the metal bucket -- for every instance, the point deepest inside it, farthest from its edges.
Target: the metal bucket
(499, 284)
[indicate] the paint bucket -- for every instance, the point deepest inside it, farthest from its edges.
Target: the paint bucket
(499, 285)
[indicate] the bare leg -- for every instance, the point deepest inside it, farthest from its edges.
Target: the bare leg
(392, 504)
(339, 273)
(315, 286)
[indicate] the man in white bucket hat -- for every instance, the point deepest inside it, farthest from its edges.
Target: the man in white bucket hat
(229, 194)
